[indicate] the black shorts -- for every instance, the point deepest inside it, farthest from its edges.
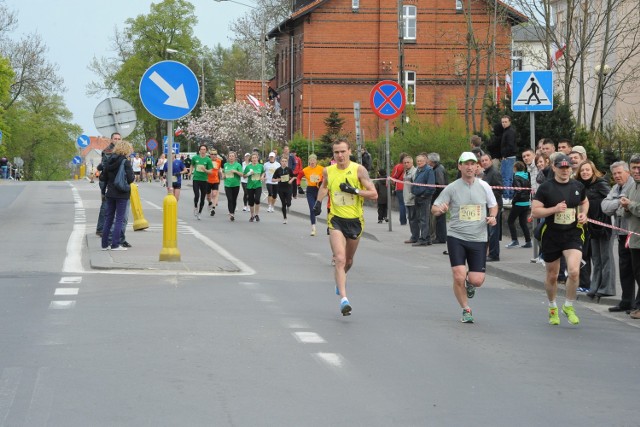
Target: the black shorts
(272, 189)
(136, 172)
(461, 252)
(148, 169)
(176, 185)
(213, 187)
(555, 241)
(350, 227)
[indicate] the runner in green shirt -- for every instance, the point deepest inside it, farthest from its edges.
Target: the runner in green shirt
(232, 174)
(254, 171)
(200, 164)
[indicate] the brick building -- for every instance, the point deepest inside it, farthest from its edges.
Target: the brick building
(330, 53)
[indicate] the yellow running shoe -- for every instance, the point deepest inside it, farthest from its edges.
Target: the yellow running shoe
(571, 315)
(554, 319)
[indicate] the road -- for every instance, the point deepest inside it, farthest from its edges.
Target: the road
(264, 344)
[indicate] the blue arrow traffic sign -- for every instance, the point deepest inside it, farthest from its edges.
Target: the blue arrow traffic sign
(387, 99)
(169, 90)
(83, 141)
(532, 91)
(77, 160)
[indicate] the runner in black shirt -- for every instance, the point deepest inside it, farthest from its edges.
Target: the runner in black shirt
(563, 204)
(284, 177)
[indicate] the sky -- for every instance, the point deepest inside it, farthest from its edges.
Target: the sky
(76, 31)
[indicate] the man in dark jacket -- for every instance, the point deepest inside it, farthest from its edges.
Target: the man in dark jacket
(438, 224)
(102, 183)
(508, 151)
(494, 179)
(423, 194)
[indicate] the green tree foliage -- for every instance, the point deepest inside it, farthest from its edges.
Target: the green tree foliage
(333, 124)
(143, 42)
(42, 135)
(447, 138)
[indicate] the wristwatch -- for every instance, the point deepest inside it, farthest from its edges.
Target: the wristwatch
(357, 191)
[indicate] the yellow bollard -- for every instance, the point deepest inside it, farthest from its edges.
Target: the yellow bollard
(170, 251)
(83, 171)
(139, 223)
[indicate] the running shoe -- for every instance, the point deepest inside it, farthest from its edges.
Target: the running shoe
(119, 248)
(252, 218)
(245, 209)
(257, 218)
(527, 245)
(195, 212)
(471, 290)
(313, 231)
(513, 244)
(232, 218)
(198, 216)
(345, 308)
(212, 212)
(467, 317)
(285, 221)
(108, 247)
(554, 319)
(571, 315)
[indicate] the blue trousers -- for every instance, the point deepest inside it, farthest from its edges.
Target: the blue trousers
(401, 208)
(114, 215)
(506, 170)
(312, 196)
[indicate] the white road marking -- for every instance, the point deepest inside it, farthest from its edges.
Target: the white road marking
(71, 279)
(62, 305)
(334, 360)
(66, 291)
(309, 338)
(73, 260)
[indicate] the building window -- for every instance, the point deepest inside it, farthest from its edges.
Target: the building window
(409, 18)
(516, 60)
(458, 6)
(410, 87)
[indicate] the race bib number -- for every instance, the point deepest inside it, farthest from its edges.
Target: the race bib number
(215, 165)
(565, 218)
(228, 174)
(201, 168)
(314, 179)
(470, 212)
(284, 178)
(343, 199)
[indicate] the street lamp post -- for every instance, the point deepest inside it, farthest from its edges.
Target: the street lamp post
(201, 58)
(263, 48)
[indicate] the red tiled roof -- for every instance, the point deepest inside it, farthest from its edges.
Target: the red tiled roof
(247, 87)
(96, 142)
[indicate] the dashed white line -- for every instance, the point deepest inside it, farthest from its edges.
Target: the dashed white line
(66, 291)
(334, 360)
(62, 305)
(71, 279)
(308, 337)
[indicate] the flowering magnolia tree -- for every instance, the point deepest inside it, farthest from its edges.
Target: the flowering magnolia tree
(237, 126)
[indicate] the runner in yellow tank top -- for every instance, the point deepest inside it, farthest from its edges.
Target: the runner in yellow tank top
(347, 184)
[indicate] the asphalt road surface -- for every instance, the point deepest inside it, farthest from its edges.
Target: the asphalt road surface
(98, 347)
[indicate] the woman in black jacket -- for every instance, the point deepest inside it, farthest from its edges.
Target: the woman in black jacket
(599, 245)
(115, 198)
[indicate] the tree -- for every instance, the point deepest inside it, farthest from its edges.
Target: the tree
(143, 42)
(333, 125)
(237, 126)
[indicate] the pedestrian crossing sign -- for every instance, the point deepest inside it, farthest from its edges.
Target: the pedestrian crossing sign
(533, 90)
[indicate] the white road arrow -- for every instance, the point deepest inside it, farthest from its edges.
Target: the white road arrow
(177, 97)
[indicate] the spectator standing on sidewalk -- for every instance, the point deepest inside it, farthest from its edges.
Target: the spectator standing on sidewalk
(611, 206)
(520, 206)
(563, 203)
(117, 200)
(492, 177)
(410, 199)
(438, 224)
(381, 188)
(631, 205)
(472, 206)
(102, 181)
(508, 151)
(603, 280)
(423, 188)
(529, 160)
(398, 173)
(366, 158)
